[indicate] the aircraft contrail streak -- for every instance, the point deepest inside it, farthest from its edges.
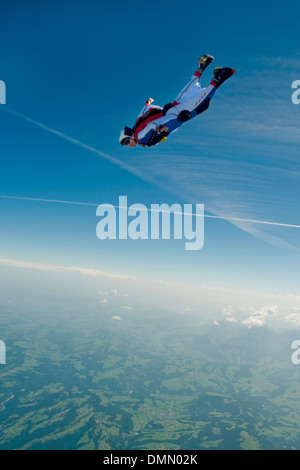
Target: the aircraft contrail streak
(144, 176)
(125, 166)
(236, 219)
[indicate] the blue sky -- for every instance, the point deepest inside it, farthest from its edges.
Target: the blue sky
(85, 70)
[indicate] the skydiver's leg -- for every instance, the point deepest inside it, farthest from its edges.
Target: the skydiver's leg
(194, 82)
(189, 107)
(204, 102)
(197, 100)
(192, 98)
(190, 86)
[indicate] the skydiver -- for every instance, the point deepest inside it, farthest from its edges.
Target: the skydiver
(154, 123)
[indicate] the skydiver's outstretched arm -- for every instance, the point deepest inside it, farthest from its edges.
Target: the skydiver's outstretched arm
(148, 105)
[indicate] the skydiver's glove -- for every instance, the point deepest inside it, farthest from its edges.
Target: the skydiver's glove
(162, 129)
(164, 133)
(158, 136)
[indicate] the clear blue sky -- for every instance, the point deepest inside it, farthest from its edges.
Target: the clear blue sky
(85, 69)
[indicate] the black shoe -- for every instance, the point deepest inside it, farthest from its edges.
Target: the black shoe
(221, 74)
(204, 62)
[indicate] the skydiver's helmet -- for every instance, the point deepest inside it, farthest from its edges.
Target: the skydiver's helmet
(125, 135)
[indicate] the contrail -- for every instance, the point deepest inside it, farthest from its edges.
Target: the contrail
(236, 219)
(146, 177)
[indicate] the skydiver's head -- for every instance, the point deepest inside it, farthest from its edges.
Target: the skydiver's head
(127, 137)
(129, 142)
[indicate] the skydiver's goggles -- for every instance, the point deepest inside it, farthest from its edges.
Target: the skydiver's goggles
(126, 141)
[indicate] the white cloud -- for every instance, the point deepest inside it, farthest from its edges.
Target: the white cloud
(295, 309)
(293, 317)
(260, 316)
(254, 321)
(103, 301)
(52, 267)
(126, 307)
(116, 317)
(162, 282)
(231, 319)
(227, 310)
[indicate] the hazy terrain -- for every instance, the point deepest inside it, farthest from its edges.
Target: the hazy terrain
(88, 379)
